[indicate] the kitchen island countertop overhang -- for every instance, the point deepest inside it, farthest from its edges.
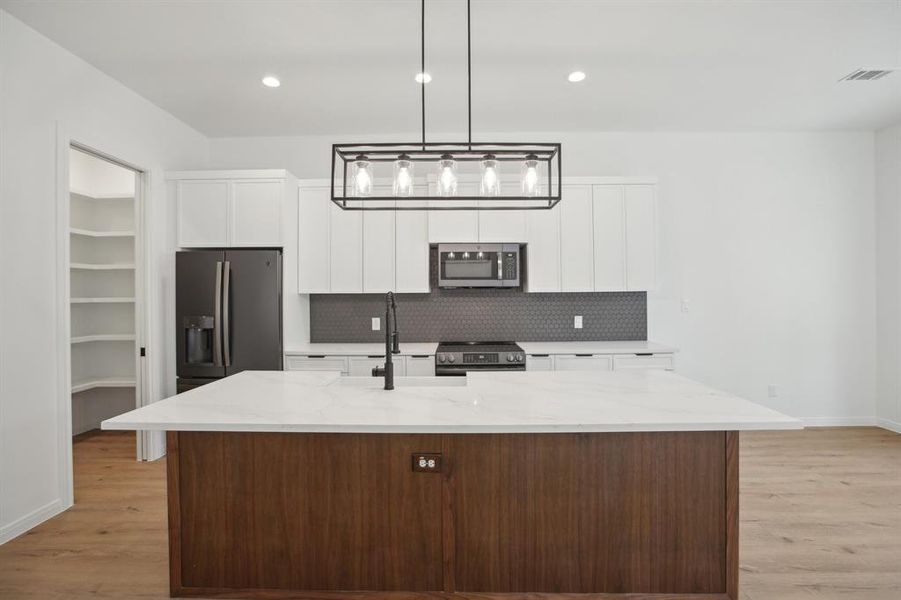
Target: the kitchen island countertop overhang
(530, 402)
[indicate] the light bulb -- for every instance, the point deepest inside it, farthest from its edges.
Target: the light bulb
(362, 177)
(491, 185)
(530, 181)
(447, 176)
(403, 176)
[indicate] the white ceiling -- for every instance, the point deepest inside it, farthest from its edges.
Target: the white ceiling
(347, 66)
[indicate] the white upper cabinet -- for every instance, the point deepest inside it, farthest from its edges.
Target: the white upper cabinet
(345, 250)
(378, 246)
(257, 208)
(543, 250)
(202, 213)
(601, 237)
(609, 238)
(218, 209)
(576, 239)
(641, 237)
(502, 226)
(411, 251)
(450, 226)
(314, 207)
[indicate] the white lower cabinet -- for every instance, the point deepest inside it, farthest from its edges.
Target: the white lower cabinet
(361, 366)
(316, 363)
(583, 362)
(420, 365)
(539, 362)
(643, 361)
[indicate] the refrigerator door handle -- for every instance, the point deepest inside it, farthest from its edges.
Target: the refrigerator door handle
(226, 317)
(217, 317)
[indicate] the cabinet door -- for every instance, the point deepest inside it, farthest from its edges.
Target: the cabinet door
(202, 214)
(345, 250)
(450, 226)
(378, 246)
(609, 242)
(411, 251)
(643, 362)
(539, 362)
(576, 236)
(314, 206)
(501, 225)
(316, 363)
(256, 213)
(543, 250)
(571, 362)
(420, 366)
(641, 248)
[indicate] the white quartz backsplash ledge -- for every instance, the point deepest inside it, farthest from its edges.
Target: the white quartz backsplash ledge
(536, 402)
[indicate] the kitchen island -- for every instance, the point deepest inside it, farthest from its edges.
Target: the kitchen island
(312, 485)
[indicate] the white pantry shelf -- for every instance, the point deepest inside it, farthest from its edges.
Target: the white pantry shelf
(103, 382)
(102, 266)
(86, 195)
(100, 234)
(104, 337)
(107, 300)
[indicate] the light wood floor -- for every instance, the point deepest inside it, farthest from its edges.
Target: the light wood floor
(820, 518)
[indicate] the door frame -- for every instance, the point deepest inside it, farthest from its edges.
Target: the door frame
(146, 447)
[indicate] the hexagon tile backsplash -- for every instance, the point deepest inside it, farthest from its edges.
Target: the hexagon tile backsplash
(481, 315)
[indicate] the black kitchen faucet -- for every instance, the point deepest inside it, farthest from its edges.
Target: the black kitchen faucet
(392, 342)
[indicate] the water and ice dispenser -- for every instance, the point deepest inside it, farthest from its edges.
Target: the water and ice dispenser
(198, 339)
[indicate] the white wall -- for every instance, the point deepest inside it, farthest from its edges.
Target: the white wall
(888, 269)
(42, 85)
(770, 236)
(97, 177)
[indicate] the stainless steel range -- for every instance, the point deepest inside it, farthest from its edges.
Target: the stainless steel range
(457, 358)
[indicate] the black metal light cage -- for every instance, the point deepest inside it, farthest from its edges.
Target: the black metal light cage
(547, 155)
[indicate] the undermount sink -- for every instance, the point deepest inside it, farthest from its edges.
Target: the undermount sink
(402, 382)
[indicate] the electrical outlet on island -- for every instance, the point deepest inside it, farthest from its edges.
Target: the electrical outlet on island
(577, 322)
(376, 323)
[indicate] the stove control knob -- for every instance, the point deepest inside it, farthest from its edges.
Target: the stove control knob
(441, 358)
(509, 358)
(451, 358)
(519, 358)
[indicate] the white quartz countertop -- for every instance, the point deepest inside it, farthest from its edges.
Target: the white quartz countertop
(628, 347)
(349, 349)
(494, 402)
(407, 348)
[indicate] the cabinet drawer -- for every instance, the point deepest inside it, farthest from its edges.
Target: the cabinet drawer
(420, 366)
(361, 366)
(643, 361)
(539, 362)
(576, 362)
(316, 363)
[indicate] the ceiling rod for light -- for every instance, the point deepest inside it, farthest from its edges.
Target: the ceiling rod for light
(532, 157)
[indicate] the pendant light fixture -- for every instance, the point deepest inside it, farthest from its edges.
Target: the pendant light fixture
(480, 168)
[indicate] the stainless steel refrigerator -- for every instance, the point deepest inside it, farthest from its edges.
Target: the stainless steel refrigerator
(228, 307)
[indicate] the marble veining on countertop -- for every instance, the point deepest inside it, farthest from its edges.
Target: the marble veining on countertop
(491, 402)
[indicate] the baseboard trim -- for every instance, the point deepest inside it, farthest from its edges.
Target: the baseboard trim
(32, 519)
(889, 424)
(839, 421)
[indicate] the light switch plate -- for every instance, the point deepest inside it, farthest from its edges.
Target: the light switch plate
(376, 323)
(577, 322)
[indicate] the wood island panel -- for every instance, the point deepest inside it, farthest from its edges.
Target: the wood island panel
(305, 515)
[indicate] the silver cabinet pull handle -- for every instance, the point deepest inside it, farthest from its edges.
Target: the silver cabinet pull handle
(226, 317)
(217, 317)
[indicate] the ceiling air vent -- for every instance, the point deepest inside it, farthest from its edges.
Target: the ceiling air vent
(866, 74)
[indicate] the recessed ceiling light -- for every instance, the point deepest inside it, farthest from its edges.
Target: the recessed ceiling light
(423, 78)
(270, 81)
(576, 76)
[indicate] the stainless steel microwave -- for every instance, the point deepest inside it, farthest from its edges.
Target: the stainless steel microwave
(478, 265)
